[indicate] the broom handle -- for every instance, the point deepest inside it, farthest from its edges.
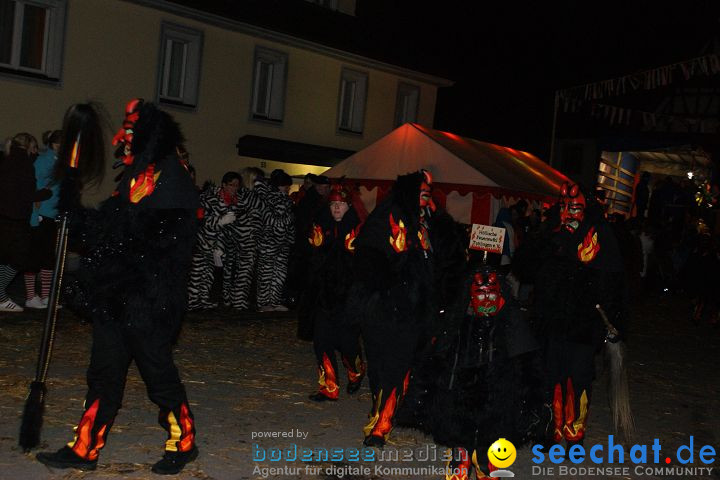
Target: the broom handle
(606, 321)
(48, 337)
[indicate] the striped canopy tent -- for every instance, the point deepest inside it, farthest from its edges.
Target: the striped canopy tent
(472, 179)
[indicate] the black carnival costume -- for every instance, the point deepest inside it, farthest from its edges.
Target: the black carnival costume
(481, 379)
(393, 294)
(137, 251)
(330, 275)
(584, 269)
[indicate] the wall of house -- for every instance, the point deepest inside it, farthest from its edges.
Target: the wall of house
(112, 54)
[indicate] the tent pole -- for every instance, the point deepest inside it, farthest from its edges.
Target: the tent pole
(554, 128)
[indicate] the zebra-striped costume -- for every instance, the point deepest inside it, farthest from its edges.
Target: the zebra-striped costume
(210, 236)
(239, 240)
(277, 235)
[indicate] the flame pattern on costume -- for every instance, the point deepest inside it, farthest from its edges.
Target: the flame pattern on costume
(398, 239)
(327, 378)
(355, 372)
(181, 434)
(568, 425)
(316, 238)
(350, 240)
(424, 237)
(459, 468)
(144, 184)
(589, 248)
(85, 445)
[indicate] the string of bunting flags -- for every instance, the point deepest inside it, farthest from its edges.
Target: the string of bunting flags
(647, 79)
(584, 97)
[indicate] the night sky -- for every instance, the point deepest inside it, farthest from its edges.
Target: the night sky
(508, 58)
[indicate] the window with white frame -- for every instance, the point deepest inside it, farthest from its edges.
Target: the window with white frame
(353, 94)
(180, 61)
(31, 37)
(406, 105)
(270, 74)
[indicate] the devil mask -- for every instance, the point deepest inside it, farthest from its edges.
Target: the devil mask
(124, 137)
(426, 191)
(572, 207)
(486, 298)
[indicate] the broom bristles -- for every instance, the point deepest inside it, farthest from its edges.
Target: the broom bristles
(619, 391)
(32, 417)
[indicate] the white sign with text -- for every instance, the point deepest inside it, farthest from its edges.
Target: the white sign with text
(487, 238)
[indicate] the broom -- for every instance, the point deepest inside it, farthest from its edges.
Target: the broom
(35, 403)
(619, 392)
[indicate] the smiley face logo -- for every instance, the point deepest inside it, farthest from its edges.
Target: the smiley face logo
(502, 453)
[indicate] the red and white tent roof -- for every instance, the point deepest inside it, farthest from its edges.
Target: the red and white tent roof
(475, 178)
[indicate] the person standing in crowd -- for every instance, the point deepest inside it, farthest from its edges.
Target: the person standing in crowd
(393, 294)
(582, 270)
(44, 229)
(278, 234)
(133, 278)
(332, 240)
(218, 205)
(642, 195)
(481, 378)
(18, 192)
(311, 200)
(240, 240)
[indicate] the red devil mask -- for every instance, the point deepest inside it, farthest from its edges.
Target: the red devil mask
(572, 207)
(426, 191)
(124, 137)
(486, 298)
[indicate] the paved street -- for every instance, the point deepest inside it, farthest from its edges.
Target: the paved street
(248, 378)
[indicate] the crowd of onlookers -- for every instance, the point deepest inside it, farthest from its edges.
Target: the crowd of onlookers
(252, 241)
(28, 207)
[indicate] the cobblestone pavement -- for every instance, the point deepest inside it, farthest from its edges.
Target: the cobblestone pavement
(248, 378)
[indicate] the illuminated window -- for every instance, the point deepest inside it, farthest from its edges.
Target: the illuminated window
(353, 94)
(179, 78)
(268, 96)
(31, 37)
(406, 106)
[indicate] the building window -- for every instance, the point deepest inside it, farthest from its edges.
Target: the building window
(353, 94)
(268, 95)
(179, 78)
(406, 105)
(31, 37)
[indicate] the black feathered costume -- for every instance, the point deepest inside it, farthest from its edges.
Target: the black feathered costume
(393, 296)
(330, 276)
(137, 251)
(583, 269)
(481, 378)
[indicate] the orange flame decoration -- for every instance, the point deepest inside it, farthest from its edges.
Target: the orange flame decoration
(144, 184)
(186, 424)
(316, 239)
(384, 424)
(589, 248)
(354, 372)
(399, 232)
(83, 438)
(350, 241)
(75, 153)
(327, 378)
(574, 429)
(424, 238)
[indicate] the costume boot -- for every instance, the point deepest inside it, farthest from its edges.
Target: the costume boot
(180, 446)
